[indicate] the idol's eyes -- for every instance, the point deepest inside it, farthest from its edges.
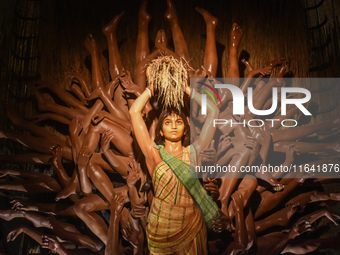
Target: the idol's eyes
(178, 122)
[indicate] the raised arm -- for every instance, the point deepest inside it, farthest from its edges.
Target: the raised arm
(140, 130)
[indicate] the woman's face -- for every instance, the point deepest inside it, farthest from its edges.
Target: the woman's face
(173, 128)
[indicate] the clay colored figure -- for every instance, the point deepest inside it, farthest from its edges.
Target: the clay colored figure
(170, 191)
(122, 163)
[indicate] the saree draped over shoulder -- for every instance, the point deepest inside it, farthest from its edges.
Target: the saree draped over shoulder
(176, 225)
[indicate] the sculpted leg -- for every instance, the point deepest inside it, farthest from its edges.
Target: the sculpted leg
(210, 54)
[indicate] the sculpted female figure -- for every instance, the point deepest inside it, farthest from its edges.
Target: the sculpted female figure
(180, 205)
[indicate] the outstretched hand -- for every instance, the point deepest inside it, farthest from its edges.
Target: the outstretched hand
(21, 205)
(51, 243)
(14, 234)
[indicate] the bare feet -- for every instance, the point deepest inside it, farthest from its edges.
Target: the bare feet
(143, 15)
(236, 35)
(90, 44)
(161, 41)
(171, 14)
(111, 27)
(209, 19)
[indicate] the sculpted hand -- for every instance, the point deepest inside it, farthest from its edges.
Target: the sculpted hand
(14, 234)
(107, 136)
(212, 188)
(51, 243)
(209, 155)
(221, 223)
(139, 211)
(84, 156)
(127, 83)
(133, 175)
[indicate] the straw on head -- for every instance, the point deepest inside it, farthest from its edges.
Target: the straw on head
(168, 77)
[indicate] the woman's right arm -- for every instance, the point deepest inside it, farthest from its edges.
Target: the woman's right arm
(140, 130)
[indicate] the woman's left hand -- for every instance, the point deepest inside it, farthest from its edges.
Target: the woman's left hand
(221, 223)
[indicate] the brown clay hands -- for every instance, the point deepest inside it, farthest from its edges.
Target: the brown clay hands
(133, 175)
(225, 142)
(277, 62)
(252, 144)
(211, 186)
(98, 117)
(117, 203)
(126, 224)
(197, 73)
(14, 233)
(21, 205)
(209, 155)
(253, 72)
(299, 228)
(139, 211)
(84, 156)
(221, 223)
(333, 217)
(290, 152)
(127, 83)
(106, 139)
(50, 243)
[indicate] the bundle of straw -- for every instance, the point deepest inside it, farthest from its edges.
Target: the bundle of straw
(167, 77)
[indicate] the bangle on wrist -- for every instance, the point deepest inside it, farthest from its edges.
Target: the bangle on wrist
(149, 90)
(192, 94)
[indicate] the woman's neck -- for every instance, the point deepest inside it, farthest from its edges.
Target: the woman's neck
(174, 148)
